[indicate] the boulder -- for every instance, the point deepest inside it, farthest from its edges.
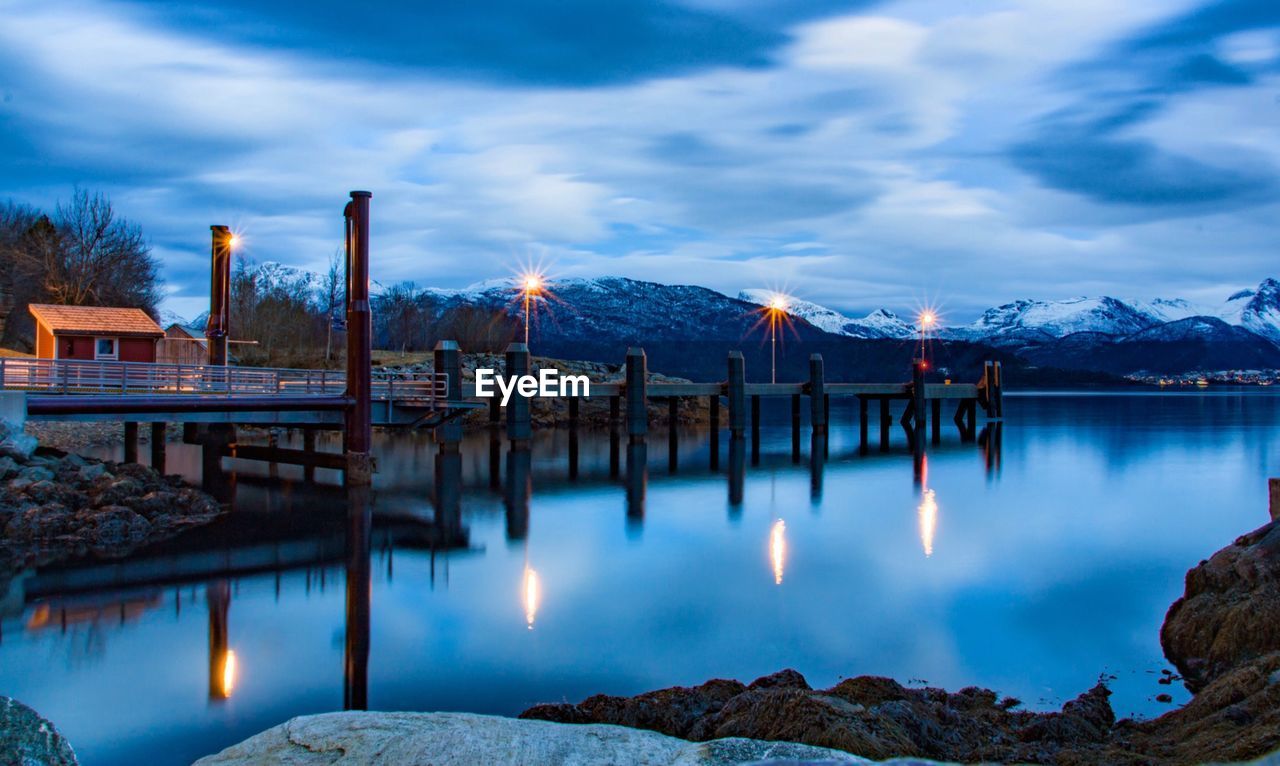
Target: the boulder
(1229, 613)
(26, 739)
(464, 739)
(16, 443)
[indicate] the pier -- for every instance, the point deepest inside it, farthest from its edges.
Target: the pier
(211, 399)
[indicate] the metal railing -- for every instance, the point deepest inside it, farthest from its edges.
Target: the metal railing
(65, 376)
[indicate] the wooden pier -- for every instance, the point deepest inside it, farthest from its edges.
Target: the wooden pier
(629, 399)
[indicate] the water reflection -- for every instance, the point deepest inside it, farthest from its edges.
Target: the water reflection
(519, 486)
(778, 549)
(222, 662)
(532, 594)
(928, 514)
(355, 691)
(637, 483)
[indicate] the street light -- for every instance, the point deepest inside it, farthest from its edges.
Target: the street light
(927, 319)
(776, 310)
(532, 284)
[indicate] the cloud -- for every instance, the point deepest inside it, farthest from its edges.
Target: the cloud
(863, 157)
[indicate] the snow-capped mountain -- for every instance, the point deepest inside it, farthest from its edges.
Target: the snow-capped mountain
(878, 324)
(684, 327)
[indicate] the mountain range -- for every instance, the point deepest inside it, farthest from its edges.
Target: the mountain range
(595, 318)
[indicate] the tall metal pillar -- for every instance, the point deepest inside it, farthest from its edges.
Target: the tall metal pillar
(218, 328)
(358, 434)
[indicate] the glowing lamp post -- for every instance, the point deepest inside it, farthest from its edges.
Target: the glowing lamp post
(532, 285)
(927, 320)
(777, 309)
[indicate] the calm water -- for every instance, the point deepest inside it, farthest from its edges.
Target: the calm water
(1031, 563)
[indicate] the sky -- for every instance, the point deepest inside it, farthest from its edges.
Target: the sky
(857, 154)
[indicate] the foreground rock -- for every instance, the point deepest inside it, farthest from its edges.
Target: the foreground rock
(1223, 635)
(465, 739)
(1230, 612)
(26, 739)
(873, 717)
(54, 506)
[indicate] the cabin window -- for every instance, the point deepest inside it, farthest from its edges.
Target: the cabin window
(105, 348)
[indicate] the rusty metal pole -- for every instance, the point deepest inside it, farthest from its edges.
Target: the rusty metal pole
(358, 435)
(218, 328)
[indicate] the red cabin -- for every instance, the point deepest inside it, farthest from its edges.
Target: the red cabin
(95, 333)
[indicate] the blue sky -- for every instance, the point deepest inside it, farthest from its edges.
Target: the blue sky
(861, 154)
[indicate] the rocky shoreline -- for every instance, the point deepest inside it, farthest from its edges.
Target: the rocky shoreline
(55, 505)
(1223, 635)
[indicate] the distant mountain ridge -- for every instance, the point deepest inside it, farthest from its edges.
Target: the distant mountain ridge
(1102, 334)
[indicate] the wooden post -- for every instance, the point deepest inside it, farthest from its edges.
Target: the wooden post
(863, 418)
(736, 391)
(714, 447)
(998, 378)
(448, 361)
(673, 443)
(795, 428)
(755, 429)
(130, 442)
(936, 405)
(637, 395)
(519, 427)
(158, 433)
(886, 420)
(917, 396)
(309, 446)
(817, 395)
(987, 389)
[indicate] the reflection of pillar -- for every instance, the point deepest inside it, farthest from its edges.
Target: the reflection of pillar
(637, 482)
(990, 440)
(737, 472)
(573, 454)
(615, 454)
(519, 486)
(448, 494)
(795, 428)
(817, 461)
(917, 462)
(355, 672)
(495, 458)
(221, 663)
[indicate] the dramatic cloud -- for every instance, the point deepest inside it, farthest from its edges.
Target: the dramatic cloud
(861, 154)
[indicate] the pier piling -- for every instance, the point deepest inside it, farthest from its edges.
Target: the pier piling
(448, 360)
(158, 434)
(737, 394)
(358, 431)
(637, 398)
(519, 426)
(817, 395)
(130, 442)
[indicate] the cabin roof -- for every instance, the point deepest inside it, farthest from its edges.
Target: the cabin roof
(96, 320)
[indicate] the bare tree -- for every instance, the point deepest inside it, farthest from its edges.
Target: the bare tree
(333, 290)
(95, 259)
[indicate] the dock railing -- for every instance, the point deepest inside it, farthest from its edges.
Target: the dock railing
(66, 376)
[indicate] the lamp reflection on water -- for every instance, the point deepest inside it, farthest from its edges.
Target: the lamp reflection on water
(778, 549)
(229, 673)
(532, 595)
(928, 512)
